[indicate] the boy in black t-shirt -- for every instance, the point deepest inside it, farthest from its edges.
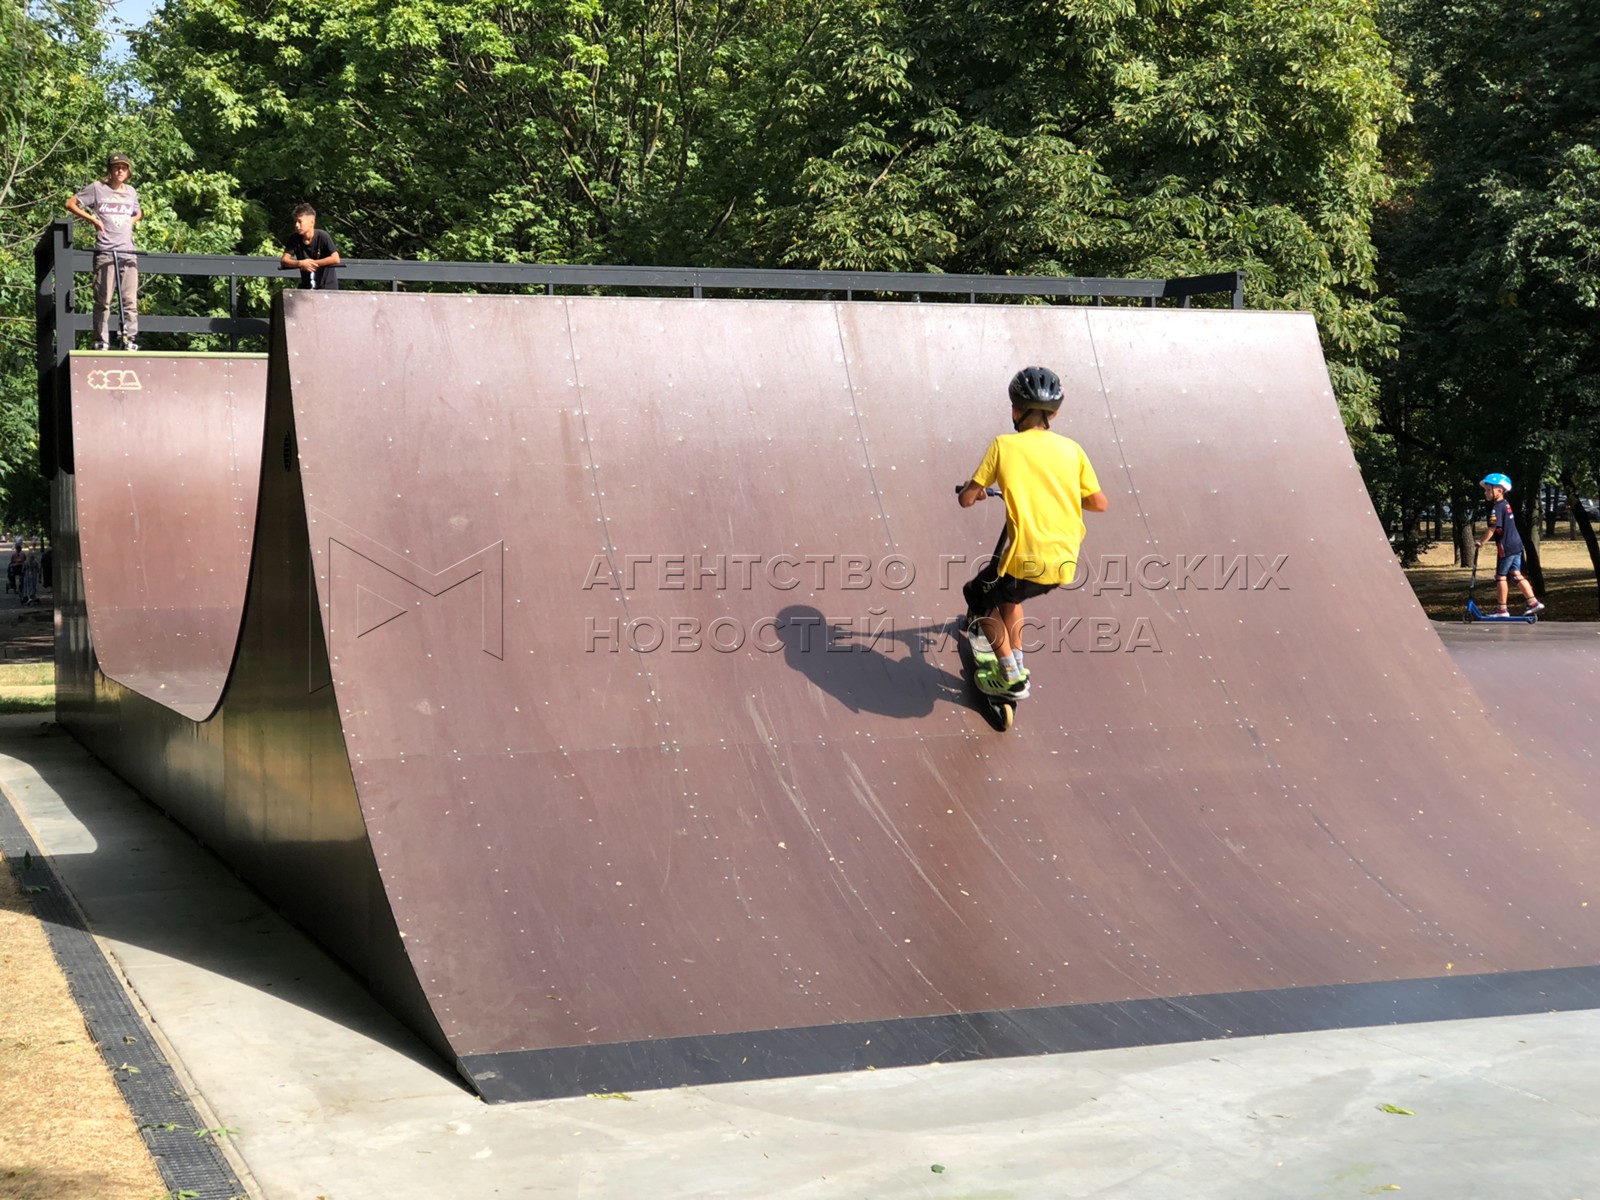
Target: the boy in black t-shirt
(311, 251)
(1503, 529)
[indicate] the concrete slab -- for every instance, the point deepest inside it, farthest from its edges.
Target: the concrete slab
(333, 1098)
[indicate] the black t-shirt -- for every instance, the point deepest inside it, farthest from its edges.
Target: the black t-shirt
(1504, 523)
(321, 246)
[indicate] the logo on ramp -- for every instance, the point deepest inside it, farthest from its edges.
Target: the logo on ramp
(114, 381)
(363, 596)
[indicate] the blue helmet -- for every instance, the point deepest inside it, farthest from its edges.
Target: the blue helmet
(1496, 480)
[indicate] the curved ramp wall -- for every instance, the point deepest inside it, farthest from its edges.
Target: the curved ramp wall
(597, 698)
(624, 849)
(153, 533)
(156, 535)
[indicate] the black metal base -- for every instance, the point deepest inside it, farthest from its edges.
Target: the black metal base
(735, 1057)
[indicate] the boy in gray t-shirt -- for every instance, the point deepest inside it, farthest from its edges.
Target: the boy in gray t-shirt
(112, 206)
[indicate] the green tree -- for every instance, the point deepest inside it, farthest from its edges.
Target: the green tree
(1109, 137)
(1492, 249)
(52, 110)
(453, 129)
(1095, 137)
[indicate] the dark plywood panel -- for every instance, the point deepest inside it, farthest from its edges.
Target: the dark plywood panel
(1235, 447)
(608, 829)
(598, 700)
(169, 463)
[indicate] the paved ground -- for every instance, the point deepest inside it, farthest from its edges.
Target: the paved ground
(333, 1099)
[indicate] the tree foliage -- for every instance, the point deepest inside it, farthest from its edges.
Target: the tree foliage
(1078, 137)
(1492, 248)
(1097, 137)
(1111, 137)
(456, 129)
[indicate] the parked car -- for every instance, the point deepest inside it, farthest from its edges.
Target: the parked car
(1590, 506)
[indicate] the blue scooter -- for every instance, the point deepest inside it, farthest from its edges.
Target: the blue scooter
(1474, 613)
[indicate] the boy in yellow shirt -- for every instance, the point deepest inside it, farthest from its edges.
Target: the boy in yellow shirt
(1047, 484)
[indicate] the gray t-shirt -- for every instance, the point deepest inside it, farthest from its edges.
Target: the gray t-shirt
(116, 210)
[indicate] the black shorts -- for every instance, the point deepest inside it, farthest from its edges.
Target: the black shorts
(989, 591)
(1011, 590)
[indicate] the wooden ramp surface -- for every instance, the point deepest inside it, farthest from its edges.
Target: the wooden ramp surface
(635, 635)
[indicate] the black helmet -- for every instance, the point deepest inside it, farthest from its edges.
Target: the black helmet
(1036, 387)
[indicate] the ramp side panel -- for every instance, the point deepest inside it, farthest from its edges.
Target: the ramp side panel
(162, 754)
(591, 839)
(294, 824)
(263, 780)
(169, 456)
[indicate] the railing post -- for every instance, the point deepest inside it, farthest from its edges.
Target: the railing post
(1238, 289)
(44, 269)
(66, 336)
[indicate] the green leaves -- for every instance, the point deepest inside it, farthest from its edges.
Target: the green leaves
(1493, 245)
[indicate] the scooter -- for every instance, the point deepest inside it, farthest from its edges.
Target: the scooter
(1474, 613)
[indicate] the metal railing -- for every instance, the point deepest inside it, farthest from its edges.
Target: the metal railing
(59, 320)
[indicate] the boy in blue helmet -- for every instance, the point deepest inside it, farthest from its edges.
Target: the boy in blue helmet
(1503, 529)
(1048, 484)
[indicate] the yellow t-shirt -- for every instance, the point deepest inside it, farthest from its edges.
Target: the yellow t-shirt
(1044, 477)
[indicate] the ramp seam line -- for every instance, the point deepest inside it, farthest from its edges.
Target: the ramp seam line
(861, 434)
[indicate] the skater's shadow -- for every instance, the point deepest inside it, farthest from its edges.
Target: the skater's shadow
(865, 669)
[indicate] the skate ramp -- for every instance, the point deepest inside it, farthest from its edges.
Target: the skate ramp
(640, 774)
(597, 698)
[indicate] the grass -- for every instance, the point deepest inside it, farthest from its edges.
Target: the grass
(27, 687)
(66, 1133)
(1570, 592)
(12, 703)
(27, 675)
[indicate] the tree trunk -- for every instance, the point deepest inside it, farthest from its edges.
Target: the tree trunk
(1461, 530)
(1527, 515)
(1585, 527)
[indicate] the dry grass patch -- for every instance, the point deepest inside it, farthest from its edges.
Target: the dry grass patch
(27, 687)
(66, 1133)
(1570, 591)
